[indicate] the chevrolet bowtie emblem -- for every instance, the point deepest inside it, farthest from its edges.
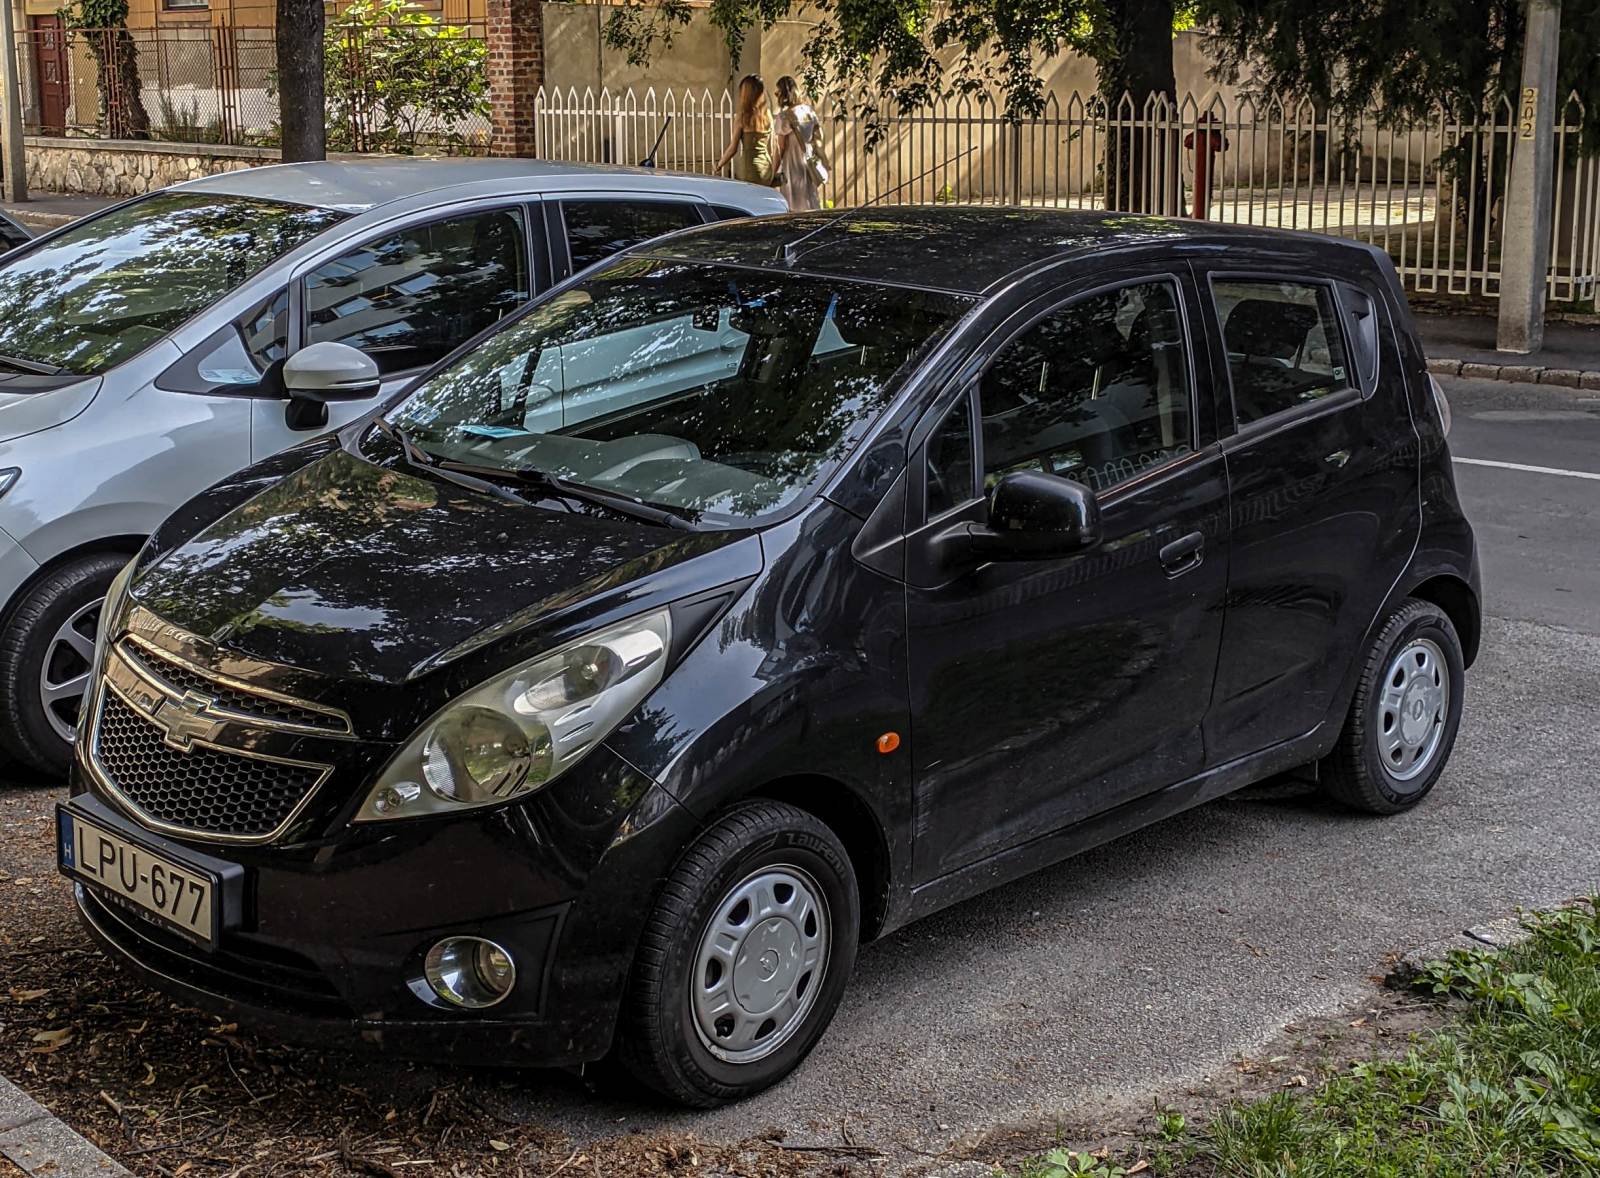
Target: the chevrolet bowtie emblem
(186, 720)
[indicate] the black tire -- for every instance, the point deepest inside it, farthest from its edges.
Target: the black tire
(26, 732)
(658, 1041)
(1357, 772)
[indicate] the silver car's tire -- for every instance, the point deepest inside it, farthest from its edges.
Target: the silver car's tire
(45, 650)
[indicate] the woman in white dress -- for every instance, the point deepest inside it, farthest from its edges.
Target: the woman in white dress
(797, 157)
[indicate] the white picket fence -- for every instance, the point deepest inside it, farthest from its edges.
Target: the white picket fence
(1428, 193)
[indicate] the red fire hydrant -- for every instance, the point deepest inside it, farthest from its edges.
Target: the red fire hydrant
(1204, 145)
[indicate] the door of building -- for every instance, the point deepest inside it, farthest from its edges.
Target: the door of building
(50, 68)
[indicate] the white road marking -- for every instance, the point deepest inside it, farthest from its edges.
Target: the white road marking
(1569, 474)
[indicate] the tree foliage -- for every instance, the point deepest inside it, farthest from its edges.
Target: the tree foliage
(120, 93)
(396, 72)
(1398, 57)
(894, 53)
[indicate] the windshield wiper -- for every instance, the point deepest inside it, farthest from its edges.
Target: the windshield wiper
(32, 367)
(418, 457)
(534, 477)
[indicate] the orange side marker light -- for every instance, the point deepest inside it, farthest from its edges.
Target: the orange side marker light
(888, 742)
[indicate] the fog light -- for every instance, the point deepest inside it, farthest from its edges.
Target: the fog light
(470, 972)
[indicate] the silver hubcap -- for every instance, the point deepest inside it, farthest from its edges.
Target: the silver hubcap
(759, 964)
(64, 678)
(1412, 709)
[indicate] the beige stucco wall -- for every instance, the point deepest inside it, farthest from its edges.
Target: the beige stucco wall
(576, 55)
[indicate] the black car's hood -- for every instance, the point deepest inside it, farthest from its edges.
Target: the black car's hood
(352, 569)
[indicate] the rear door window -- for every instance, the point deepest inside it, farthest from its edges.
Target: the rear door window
(1283, 341)
(596, 229)
(411, 297)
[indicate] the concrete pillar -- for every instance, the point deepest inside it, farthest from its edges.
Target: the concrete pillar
(1530, 198)
(15, 159)
(514, 33)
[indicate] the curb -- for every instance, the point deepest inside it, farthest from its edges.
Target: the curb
(40, 1143)
(1569, 378)
(1497, 934)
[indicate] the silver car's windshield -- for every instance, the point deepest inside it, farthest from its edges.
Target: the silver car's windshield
(707, 390)
(112, 285)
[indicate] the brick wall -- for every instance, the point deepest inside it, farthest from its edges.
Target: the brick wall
(514, 30)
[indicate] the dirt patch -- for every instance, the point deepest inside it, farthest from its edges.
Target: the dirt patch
(1300, 1058)
(169, 1091)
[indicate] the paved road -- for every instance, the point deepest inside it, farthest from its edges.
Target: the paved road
(1160, 957)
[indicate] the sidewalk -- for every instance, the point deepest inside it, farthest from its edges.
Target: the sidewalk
(47, 210)
(1463, 345)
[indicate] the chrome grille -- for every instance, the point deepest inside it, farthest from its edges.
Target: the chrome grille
(206, 790)
(223, 695)
(193, 752)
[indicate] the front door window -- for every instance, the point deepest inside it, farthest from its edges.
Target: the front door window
(411, 297)
(1097, 392)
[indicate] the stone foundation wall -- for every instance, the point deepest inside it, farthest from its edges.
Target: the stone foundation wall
(110, 167)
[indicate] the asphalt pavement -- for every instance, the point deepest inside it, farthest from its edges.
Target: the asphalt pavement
(1153, 962)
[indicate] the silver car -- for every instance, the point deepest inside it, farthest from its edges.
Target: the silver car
(142, 352)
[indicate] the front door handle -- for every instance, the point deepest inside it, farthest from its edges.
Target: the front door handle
(1183, 554)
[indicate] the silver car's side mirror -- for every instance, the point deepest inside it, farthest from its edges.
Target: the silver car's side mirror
(331, 372)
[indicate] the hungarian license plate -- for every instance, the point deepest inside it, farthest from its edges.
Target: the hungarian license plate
(174, 894)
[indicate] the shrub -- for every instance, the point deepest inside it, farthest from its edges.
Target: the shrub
(397, 78)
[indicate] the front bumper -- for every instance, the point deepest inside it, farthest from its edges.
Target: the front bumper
(328, 943)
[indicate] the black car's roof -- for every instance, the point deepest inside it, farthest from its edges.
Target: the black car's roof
(968, 249)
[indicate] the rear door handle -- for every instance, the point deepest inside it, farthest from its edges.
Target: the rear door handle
(1183, 554)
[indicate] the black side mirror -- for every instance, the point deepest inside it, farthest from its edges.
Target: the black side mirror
(1032, 516)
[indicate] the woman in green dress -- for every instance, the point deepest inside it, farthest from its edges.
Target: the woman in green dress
(750, 149)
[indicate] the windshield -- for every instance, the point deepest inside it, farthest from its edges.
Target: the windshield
(702, 389)
(109, 287)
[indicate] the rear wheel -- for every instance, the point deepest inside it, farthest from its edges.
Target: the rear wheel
(45, 655)
(1402, 723)
(744, 959)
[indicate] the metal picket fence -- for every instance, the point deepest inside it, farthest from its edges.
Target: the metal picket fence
(1428, 193)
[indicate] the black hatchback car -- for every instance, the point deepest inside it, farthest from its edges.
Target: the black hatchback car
(751, 595)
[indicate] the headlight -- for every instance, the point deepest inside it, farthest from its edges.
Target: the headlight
(523, 729)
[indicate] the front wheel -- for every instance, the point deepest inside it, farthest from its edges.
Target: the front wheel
(1402, 723)
(744, 959)
(45, 654)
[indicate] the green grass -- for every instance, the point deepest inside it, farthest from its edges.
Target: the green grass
(1510, 1086)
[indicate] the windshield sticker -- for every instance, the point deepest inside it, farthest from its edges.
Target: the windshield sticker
(495, 431)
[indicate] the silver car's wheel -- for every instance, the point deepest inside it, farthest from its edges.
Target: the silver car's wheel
(1412, 709)
(758, 963)
(46, 647)
(64, 675)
